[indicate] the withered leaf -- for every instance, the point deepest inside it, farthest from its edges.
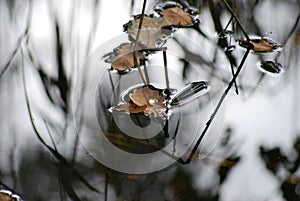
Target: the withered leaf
(124, 57)
(151, 98)
(177, 16)
(131, 108)
(151, 33)
(260, 45)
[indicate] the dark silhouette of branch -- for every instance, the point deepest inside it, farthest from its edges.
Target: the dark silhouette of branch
(208, 123)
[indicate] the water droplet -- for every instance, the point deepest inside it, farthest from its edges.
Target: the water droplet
(153, 101)
(190, 93)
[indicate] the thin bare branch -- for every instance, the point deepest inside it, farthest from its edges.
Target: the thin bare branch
(208, 123)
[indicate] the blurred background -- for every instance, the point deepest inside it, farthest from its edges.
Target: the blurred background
(43, 46)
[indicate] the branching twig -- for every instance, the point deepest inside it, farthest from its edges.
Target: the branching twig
(236, 19)
(208, 123)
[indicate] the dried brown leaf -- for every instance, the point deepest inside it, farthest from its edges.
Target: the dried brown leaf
(124, 58)
(177, 16)
(262, 46)
(131, 108)
(151, 98)
(151, 30)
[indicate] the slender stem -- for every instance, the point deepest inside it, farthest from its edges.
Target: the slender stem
(136, 44)
(235, 84)
(236, 19)
(208, 123)
(227, 25)
(166, 68)
(106, 187)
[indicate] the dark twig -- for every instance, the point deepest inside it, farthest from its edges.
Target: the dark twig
(232, 72)
(106, 187)
(166, 68)
(136, 44)
(228, 54)
(50, 135)
(236, 19)
(208, 123)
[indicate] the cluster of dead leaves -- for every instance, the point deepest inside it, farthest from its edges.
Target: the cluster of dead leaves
(153, 34)
(147, 100)
(154, 30)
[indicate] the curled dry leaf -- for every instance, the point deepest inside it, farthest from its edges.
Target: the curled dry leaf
(177, 16)
(151, 34)
(151, 98)
(260, 45)
(124, 57)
